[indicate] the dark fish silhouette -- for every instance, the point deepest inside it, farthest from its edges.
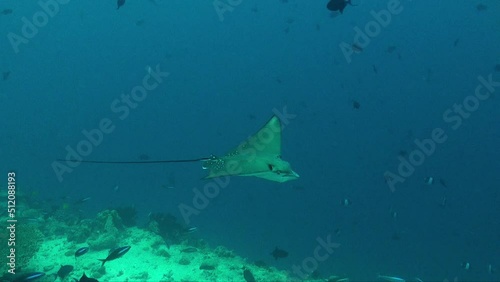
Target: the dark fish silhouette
(64, 271)
(84, 278)
(279, 253)
(120, 3)
(356, 105)
(116, 253)
(338, 5)
(82, 200)
(481, 7)
(7, 12)
(356, 48)
(247, 274)
(189, 250)
(81, 251)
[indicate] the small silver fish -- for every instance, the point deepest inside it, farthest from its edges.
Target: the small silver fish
(189, 250)
(391, 278)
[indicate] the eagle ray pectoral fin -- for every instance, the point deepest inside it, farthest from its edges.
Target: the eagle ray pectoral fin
(259, 155)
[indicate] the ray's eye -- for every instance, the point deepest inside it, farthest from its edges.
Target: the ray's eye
(270, 166)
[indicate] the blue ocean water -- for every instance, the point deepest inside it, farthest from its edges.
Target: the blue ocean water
(362, 89)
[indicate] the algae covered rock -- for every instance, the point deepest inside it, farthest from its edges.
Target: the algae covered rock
(106, 230)
(223, 252)
(167, 226)
(208, 265)
(184, 261)
(28, 241)
(143, 276)
(168, 277)
(109, 221)
(81, 232)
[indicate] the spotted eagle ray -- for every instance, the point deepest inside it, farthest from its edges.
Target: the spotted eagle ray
(259, 156)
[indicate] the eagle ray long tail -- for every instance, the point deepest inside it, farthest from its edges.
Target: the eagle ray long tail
(136, 162)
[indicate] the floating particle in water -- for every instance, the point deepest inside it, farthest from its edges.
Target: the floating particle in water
(429, 180)
(443, 203)
(139, 22)
(346, 202)
(394, 214)
(396, 236)
(442, 182)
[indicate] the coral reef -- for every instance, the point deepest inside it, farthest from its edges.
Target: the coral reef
(128, 214)
(28, 241)
(166, 226)
(53, 239)
(184, 261)
(208, 265)
(106, 230)
(223, 252)
(81, 232)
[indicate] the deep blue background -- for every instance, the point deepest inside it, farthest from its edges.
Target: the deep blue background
(226, 77)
